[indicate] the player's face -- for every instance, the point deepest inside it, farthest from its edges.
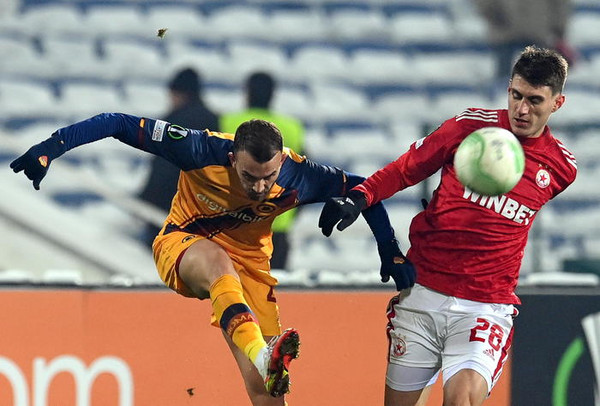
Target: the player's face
(257, 179)
(529, 107)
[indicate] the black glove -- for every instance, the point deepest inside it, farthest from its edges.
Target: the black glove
(36, 161)
(396, 265)
(344, 210)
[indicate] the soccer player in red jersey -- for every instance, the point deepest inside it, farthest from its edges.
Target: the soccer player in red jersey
(467, 248)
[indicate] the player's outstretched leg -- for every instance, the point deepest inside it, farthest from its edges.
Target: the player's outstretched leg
(280, 352)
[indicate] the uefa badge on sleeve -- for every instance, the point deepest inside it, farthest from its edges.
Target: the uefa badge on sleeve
(177, 132)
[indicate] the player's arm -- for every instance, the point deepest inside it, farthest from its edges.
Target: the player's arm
(146, 134)
(321, 183)
(424, 157)
(393, 262)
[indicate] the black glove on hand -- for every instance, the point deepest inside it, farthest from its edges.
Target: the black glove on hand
(396, 265)
(36, 161)
(344, 210)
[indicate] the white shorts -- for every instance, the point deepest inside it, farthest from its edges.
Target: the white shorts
(428, 331)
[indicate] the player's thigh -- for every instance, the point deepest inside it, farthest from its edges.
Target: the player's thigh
(168, 250)
(414, 352)
(189, 263)
(478, 340)
(466, 387)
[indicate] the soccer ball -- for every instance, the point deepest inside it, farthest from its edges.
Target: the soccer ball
(490, 161)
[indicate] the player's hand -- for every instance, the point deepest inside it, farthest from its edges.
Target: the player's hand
(342, 211)
(36, 161)
(394, 264)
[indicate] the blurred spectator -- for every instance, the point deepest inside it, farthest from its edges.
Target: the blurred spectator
(514, 24)
(187, 110)
(260, 88)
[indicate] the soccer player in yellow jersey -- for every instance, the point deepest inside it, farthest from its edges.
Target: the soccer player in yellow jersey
(216, 240)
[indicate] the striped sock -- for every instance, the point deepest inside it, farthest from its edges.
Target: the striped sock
(235, 317)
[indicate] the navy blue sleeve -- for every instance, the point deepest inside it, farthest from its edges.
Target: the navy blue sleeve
(185, 148)
(317, 183)
(376, 215)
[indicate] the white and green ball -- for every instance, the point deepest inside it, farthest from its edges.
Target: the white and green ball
(490, 161)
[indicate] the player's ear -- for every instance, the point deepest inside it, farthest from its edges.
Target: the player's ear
(558, 102)
(231, 157)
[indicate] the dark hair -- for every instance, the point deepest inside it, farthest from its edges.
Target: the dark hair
(260, 138)
(260, 87)
(186, 81)
(542, 67)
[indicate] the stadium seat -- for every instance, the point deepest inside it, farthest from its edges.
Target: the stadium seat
(183, 21)
(303, 25)
(358, 25)
(322, 62)
(224, 99)
(584, 73)
(363, 167)
(410, 106)
(143, 98)
(580, 107)
(592, 246)
(585, 148)
(82, 100)
(294, 101)
(370, 144)
(421, 28)
(335, 102)
(131, 58)
(241, 22)
(583, 29)
(119, 19)
(24, 98)
(468, 25)
(406, 132)
(53, 18)
(585, 185)
(22, 59)
(212, 62)
(377, 67)
(319, 147)
(249, 57)
(73, 57)
(453, 68)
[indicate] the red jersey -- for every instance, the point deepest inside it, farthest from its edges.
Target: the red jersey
(464, 244)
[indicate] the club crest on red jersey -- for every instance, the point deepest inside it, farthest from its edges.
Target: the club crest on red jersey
(542, 178)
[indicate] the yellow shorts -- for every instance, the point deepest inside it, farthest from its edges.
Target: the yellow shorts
(169, 249)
